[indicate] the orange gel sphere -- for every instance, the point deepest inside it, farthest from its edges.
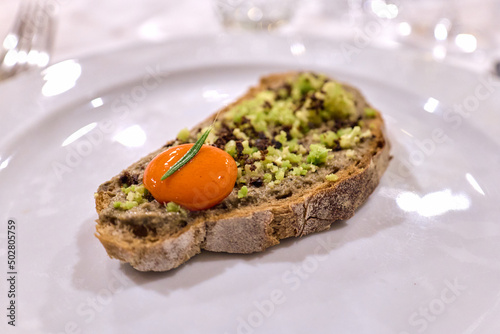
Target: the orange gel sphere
(203, 182)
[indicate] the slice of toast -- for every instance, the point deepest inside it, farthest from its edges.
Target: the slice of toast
(284, 199)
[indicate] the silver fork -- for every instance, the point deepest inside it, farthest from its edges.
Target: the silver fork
(27, 46)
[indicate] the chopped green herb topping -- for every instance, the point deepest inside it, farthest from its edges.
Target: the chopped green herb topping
(318, 154)
(243, 192)
(175, 208)
(266, 134)
(350, 154)
(125, 205)
(183, 135)
(337, 101)
(135, 196)
(328, 138)
(331, 177)
(230, 148)
(370, 112)
(172, 207)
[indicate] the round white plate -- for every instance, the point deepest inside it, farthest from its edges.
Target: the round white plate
(421, 256)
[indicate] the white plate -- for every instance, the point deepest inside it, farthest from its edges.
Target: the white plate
(421, 256)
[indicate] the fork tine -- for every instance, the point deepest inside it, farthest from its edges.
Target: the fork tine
(12, 40)
(25, 37)
(37, 37)
(29, 43)
(42, 42)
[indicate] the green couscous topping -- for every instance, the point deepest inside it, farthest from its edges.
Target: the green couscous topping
(134, 196)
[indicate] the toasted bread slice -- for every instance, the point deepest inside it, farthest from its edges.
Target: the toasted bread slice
(305, 198)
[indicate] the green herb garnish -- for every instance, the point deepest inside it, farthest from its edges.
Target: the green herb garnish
(188, 156)
(243, 192)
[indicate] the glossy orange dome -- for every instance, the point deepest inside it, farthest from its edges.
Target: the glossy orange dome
(203, 182)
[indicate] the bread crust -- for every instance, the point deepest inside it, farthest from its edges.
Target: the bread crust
(254, 230)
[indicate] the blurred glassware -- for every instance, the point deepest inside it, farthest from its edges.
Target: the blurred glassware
(255, 14)
(29, 43)
(442, 26)
(383, 9)
(345, 11)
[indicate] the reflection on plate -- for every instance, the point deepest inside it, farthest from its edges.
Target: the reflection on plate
(420, 256)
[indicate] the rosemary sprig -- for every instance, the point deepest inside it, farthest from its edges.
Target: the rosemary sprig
(188, 156)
